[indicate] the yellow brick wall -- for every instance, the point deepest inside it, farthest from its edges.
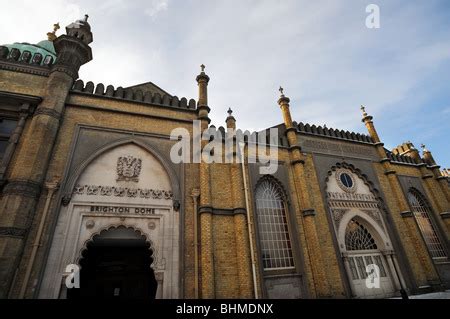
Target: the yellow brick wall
(228, 254)
(325, 232)
(22, 83)
(414, 246)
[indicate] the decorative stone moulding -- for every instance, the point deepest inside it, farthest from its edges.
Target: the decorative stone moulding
(99, 190)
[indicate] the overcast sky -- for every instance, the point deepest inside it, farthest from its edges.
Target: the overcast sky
(320, 51)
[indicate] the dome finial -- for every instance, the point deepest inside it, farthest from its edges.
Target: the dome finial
(86, 17)
(52, 35)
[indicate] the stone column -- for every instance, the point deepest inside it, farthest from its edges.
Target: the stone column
(51, 189)
(414, 246)
(243, 255)
(320, 280)
(349, 273)
(392, 271)
(397, 267)
(195, 195)
(205, 209)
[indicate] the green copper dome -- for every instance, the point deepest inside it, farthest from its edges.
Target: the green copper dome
(45, 48)
(47, 45)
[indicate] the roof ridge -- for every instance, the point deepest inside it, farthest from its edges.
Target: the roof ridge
(149, 82)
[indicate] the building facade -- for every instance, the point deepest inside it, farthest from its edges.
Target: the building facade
(88, 179)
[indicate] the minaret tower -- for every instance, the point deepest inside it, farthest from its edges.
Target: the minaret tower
(298, 161)
(207, 289)
(402, 215)
(27, 180)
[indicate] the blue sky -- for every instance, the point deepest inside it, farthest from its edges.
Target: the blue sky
(320, 51)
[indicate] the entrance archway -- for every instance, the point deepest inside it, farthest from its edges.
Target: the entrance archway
(116, 264)
(368, 255)
(126, 184)
(363, 252)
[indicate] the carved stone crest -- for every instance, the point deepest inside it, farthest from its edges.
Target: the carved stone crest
(128, 168)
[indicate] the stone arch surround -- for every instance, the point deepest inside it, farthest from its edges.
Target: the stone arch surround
(88, 213)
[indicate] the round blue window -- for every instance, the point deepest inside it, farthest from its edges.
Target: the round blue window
(346, 180)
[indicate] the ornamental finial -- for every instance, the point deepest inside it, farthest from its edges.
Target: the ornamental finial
(202, 67)
(230, 111)
(281, 90)
(363, 109)
(52, 35)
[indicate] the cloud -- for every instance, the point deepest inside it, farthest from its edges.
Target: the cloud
(28, 21)
(321, 52)
(156, 6)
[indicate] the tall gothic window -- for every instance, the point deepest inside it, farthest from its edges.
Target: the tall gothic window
(422, 214)
(273, 227)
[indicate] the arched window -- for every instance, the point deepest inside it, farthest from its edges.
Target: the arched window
(422, 215)
(357, 237)
(273, 227)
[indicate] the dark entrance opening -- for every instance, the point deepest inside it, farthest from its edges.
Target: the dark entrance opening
(116, 264)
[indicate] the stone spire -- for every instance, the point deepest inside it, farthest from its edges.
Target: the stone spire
(202, 104)
(297, 160)
(72, 49)
(367, 120)
(283, 101)
(202, 80)
(231, 121)
(427, 157)
(80, 29)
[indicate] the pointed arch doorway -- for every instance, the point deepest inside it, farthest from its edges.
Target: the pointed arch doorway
(103, 197)
(362, 253)
(116, 264)
(362, 235)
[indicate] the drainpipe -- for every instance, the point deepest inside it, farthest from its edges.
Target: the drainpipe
(195, 194)
(249, 223)
(51, 187)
